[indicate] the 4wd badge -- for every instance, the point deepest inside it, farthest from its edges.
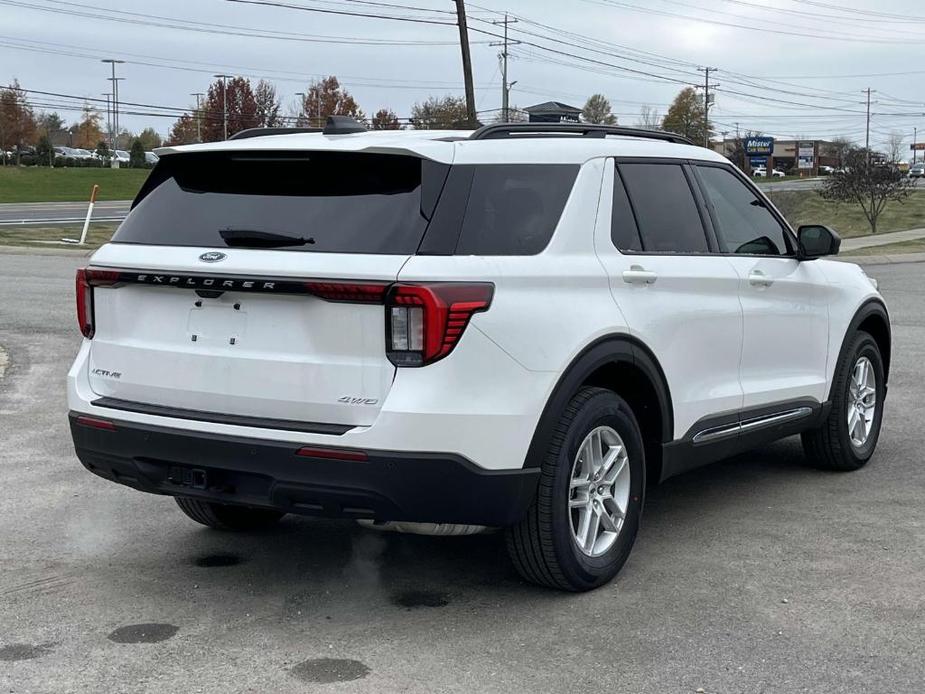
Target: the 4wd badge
(212, 257)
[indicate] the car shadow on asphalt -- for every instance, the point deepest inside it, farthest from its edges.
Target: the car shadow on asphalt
(309, 565)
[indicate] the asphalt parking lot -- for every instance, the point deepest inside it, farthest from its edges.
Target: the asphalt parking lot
(753, 575)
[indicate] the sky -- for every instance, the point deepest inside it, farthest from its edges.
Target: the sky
(787, 68)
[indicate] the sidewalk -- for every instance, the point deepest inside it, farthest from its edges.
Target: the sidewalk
(853, 244)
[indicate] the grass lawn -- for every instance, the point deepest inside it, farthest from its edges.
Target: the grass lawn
(42, 184)
(916, 246)
(806, 207)
(48, 237)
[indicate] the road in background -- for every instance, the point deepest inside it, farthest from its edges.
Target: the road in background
(757, 574)
(771, 186)
(46, 213)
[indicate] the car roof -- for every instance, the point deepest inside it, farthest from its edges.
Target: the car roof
(455, 147)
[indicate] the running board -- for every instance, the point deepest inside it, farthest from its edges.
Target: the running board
(736, 428)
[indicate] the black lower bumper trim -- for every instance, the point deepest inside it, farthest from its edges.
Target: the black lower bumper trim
(424, 487)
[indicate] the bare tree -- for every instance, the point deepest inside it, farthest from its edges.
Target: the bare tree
(649, 118)
(895, 146)
(865, 183)
(838, 149)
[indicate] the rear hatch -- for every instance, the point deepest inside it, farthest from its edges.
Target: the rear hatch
(247, 283)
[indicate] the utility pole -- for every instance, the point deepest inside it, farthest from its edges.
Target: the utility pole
(707, 102)
(115, 96)
(224, 77)
(867, 129)
(466, 61)
(505, 87)
(198, 95)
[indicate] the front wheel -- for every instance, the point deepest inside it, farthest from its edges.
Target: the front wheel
(847, 438)
(581, 527)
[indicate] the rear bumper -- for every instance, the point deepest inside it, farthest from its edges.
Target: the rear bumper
(388, 485)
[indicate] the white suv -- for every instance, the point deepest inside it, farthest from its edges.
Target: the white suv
(515, 328)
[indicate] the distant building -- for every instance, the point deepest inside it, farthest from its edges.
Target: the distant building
(553, 112)
(785, 155)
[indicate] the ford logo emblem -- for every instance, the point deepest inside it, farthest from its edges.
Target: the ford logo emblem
(212, 257)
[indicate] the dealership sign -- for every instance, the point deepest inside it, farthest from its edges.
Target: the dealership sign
(759, 146)
(917, 145)
(806, 155)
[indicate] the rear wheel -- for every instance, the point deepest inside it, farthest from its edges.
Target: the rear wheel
(849, 435)
(225, 517)
(581, 527)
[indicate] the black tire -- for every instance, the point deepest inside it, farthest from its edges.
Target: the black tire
(830, 447)
(225, 517)
(542, 546)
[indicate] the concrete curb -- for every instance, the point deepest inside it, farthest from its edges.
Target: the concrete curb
(34, 250)
(884, 259)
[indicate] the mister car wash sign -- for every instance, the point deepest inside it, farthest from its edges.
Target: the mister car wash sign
(759, 146)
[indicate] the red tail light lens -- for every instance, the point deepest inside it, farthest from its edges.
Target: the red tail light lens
(348, 292)
(86, 280)
(425, 321)
(84, 304)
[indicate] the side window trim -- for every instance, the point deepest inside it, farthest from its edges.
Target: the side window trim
(706, 222)
(618, 180)
(786, 229)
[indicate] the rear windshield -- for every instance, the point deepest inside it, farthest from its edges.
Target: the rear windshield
(337, 202)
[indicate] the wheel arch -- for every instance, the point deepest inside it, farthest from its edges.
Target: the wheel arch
(872, 318)
(625, 365)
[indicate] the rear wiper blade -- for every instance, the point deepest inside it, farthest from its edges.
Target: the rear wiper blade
(248, 238)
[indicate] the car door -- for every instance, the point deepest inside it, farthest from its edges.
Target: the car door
(677, 297)
(784, 300)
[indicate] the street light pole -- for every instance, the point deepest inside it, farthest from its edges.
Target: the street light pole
(108, 119)
(198, 115)
(224, 103)
(301, 96)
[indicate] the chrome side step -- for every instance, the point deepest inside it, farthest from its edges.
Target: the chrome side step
(736, 428)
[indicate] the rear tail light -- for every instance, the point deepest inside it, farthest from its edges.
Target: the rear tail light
(348, 292)
(86, 280)
(425, 321)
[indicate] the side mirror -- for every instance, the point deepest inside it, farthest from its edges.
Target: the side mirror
(816, 241)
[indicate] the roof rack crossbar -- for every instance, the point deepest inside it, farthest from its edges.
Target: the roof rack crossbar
(513, 130)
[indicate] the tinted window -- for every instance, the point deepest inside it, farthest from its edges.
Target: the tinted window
(666, 213)
(514, 208)
(743, 223)
(346, 202)
(623, 230)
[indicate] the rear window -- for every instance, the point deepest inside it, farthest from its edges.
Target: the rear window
(342, 202)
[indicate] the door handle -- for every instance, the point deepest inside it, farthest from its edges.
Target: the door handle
(757, 278)
(639, 275)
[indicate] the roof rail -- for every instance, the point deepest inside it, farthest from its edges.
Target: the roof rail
(513, 130)
(336, 125)
(260, 132)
